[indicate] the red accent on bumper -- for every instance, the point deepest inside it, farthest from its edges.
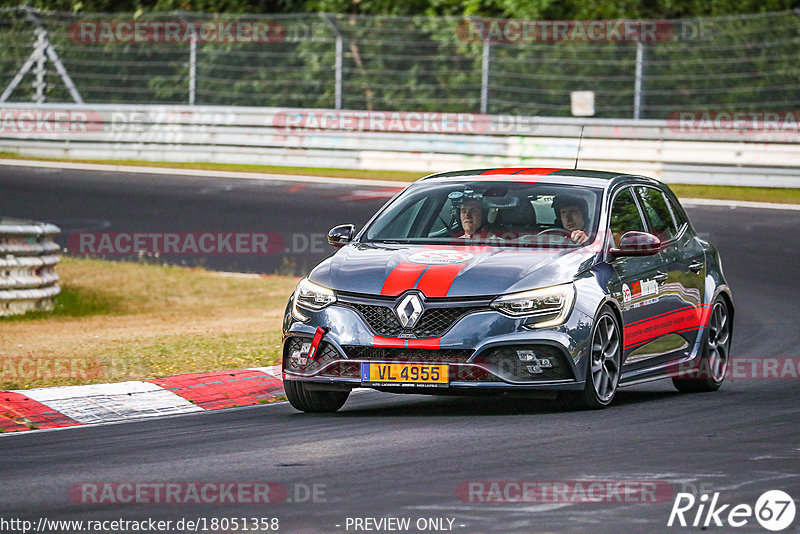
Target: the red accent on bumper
(315, 342)
(428, 343)
(388, 342)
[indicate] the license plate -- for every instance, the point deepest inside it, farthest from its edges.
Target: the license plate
(404, 374)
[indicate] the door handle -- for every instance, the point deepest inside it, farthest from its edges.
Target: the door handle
(696, 266)
(660, 277)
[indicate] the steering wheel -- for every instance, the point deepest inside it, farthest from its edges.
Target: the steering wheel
(562, 233)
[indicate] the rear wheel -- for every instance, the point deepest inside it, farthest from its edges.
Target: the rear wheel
(716, 353)
(307, 400)
(603, 365)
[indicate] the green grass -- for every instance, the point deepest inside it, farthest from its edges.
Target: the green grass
(781, 195)
(72, 303)
(116, 321)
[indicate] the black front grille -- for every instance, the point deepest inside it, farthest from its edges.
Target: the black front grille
(325, 354)
(408, 355)
(342, 369)
(433, 323)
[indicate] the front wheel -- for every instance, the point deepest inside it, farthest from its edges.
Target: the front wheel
(603, 365)
(714, 360)
(305, 399)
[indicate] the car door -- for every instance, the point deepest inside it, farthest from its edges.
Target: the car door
(684, 262)
(638, 284)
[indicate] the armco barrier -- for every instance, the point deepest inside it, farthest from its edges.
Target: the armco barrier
(28, 280)
(301, 137)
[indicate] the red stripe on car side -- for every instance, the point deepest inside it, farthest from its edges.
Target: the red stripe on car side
(681, 320)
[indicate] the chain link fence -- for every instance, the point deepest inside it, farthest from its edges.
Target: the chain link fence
(637, 69)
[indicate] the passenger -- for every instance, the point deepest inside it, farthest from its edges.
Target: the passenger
(572, 215)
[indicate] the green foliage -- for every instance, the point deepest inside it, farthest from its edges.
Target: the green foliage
(425, 63)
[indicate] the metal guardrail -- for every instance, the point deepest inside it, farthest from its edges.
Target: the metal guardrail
(28, 257)
(400, 141)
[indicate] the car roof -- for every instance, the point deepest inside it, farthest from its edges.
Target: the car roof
(535, 174)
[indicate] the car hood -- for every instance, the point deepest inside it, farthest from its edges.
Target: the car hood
(447, 271)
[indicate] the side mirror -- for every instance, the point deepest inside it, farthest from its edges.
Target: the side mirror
(341, 235)
(637, 244)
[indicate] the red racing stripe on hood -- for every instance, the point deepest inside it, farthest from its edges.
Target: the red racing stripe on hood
(405, 274)
(438, 279)
(402, 277)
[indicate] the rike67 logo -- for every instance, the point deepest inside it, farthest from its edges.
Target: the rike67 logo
(774, 510)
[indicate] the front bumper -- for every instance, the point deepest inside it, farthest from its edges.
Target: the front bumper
(480, 349)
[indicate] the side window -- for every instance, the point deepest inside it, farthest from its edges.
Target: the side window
(659, 217)
(625, 216)
(439, 228)
(680, 220)
(401, 225)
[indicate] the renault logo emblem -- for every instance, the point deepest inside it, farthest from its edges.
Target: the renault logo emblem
(408, 310)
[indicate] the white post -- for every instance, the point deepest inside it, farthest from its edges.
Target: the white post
(638, 97)
(192, 68)
(339, 67)
(39, 71)
(485, 65)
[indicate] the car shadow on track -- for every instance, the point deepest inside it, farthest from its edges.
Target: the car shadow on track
(419, 405)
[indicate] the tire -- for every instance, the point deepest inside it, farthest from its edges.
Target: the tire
(716, 353)
(306, 400)
(603, 365)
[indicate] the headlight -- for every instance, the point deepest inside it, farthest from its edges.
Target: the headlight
(311, 296)
(548, 306)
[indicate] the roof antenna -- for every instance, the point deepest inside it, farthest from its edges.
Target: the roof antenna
(579, 146)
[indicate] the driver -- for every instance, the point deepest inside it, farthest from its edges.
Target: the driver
(472, 221)
(572, 214)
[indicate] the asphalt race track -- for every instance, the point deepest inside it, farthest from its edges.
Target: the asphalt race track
(405, 457)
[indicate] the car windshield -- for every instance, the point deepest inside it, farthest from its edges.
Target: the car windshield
(497, 213)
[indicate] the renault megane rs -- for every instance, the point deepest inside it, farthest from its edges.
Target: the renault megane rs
(532, 282)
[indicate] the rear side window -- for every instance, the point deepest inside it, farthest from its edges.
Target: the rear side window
(625, 216)
(658, 215)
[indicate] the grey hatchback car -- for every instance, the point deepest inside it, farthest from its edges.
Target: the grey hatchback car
(559, 283)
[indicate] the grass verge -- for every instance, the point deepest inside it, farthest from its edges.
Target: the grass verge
(118, 321)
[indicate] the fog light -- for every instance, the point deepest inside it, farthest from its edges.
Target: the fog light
(300, 357)
(536, 363)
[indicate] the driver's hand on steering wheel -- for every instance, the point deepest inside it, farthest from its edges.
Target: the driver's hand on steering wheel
(578, 236)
